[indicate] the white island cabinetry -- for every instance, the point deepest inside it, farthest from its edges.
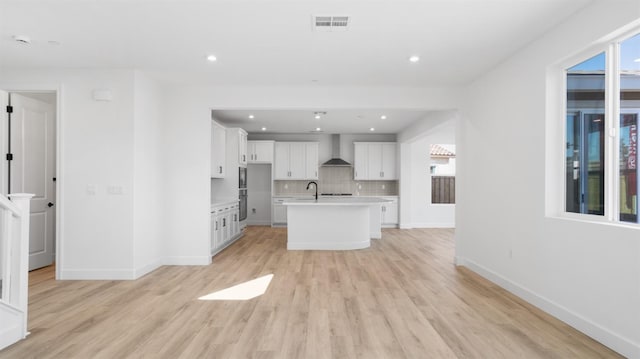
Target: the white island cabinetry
(332, 223)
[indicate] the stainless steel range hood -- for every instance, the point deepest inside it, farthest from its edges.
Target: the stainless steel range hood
(336, 160)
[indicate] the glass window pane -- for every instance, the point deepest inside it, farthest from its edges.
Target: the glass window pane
(585, 124)
(629, 110)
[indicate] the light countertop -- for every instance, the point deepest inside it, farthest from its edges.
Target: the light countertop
(333, 201)
(224, 203)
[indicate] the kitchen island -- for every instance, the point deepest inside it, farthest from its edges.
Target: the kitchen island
(333, 223)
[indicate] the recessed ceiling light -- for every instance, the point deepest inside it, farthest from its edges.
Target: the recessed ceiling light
(414, 58)
(383, 117)
(318, 129)
(372, 129)
(317, 117)
(212, 58)
(53, 42)
(264, 129)
(251, 117)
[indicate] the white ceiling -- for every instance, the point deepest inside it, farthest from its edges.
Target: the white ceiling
(335, 121)
(264, 42)
(272, 43)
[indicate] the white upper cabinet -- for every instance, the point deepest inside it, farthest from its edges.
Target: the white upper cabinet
(375, 161)
(360, 163)
(296, 160)
(388, 166)
(281, 160)
(218, 150)
(260, 151)
(242, 150)
(311, 153)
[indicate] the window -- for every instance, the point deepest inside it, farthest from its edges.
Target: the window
(629, 109)
(442, 167)
(601, 154)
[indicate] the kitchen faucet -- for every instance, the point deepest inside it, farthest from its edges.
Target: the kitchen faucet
(316, 186)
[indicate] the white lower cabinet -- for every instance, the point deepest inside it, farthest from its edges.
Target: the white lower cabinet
(279, 212)
(389, 212)
(225, 226)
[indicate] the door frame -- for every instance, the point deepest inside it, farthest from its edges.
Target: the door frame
(57, 89)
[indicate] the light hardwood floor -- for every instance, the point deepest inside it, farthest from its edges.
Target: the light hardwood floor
(401, 298)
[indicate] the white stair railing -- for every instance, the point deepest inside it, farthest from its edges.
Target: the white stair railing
(14, 267)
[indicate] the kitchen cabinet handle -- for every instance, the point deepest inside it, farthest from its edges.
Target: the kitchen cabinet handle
(255, 157)
(216, 225)
(224, 222)
(244, 158)
(220, 169)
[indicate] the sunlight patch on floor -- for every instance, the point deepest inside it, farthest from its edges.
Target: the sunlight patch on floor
(243, 291)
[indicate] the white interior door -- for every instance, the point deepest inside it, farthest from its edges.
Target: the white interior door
(32, 143)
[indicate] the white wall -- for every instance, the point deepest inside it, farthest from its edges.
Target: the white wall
(584, 273)
(416, 209)
(96, 148)
(105, 144)
(147, 176)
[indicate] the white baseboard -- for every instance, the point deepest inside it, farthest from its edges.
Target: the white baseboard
(605, 336)
(405, 226)
(148, 268)
(131, 274)
(187, 261)
(320, 246)
(258, 223)
(97, 274)
(434, 225)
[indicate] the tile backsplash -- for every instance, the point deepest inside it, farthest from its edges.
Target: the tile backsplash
(337, 180)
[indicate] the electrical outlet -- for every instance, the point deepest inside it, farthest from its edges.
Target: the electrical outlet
(382, 186)
(286, 186)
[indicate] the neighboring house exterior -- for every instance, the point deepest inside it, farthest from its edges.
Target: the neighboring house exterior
(442, 160)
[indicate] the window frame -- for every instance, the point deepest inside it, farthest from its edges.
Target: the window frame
(612, 112)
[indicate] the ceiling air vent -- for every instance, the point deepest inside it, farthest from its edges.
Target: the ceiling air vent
(330, 23)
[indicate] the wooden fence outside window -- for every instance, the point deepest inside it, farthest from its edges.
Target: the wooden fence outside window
(443, 189)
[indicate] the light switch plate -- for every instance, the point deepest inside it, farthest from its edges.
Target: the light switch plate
(115, 190)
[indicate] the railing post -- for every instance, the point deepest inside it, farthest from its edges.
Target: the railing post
(23, 202)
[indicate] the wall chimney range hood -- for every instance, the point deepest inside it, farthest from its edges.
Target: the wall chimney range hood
(335, 160)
